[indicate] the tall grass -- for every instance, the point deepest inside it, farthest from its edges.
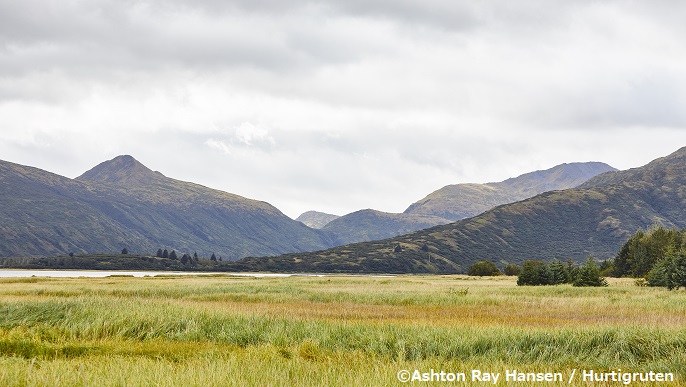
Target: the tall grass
(311, 331)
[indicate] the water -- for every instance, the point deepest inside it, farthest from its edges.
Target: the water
(9, 273)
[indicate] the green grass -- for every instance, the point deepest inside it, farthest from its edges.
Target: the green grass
(224, 330)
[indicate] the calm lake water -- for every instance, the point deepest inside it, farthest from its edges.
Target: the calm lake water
(9, 273)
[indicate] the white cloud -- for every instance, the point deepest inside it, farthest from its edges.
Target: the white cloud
(250, 135)
(337, 106)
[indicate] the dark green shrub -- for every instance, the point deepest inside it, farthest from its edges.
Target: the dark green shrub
(644, 249)
(512, 269)
(669, 272)
(589, 275)
(559, 273)
(484, 269)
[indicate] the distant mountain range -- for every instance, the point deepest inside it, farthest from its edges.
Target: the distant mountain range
(451, 203)
(594, 219)
(123, 204)
(460, 201)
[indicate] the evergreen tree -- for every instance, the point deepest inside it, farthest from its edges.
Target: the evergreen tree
(425, 248)
(669, 272)
(165, 254)
(535, 273)
(545, 275)
(589, 275)
(195, 255)
(172, 255)
(572, 270)
(641, 252)
(398, 249)
(559, 274)
(213, 257)
(124, 251)
(159, 253)
(531, 273)
(185, 258)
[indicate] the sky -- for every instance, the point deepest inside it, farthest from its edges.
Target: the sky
(338, 106)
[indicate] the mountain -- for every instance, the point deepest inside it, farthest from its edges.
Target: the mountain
(456, 202)
(122, 170)
(121, 203)
(314, 219)
(42, 213)
(370, 225)
(459, 201)
(594, 219)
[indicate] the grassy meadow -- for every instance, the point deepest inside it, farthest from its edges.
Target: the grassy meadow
(345, 330)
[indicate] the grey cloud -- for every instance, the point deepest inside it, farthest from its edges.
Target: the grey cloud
(656, 102)
(103, 37)
(643, 99)
(356, 97)
(37, 34)
(452, 15)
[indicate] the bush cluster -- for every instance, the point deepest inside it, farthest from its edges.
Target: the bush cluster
(555, 273)
(638, 256)
(484, 269)
(657, 255)
(669, 271)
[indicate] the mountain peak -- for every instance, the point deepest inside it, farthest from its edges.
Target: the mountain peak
(122, 168)
(316, 219)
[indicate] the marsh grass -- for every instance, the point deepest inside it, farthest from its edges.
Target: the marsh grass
(314, 331)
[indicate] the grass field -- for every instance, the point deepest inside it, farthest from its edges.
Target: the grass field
(222, 330)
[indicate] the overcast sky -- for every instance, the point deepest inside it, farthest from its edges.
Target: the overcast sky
(340, 105)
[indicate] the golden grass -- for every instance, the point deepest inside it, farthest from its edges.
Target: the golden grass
(398, 300)
(340, 330)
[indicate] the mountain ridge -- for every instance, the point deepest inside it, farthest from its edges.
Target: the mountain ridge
(592, 220)
(121, 203)
(460, 201)
(368, 225)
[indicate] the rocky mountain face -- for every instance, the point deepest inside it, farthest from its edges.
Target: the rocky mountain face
(594, 219)
(121, 203)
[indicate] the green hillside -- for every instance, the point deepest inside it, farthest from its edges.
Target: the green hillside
(121, 203)
(46, 214)
(370, 225)
(460, 201)
(594, 220)
(456, 202)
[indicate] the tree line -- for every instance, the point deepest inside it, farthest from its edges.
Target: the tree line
(655, 257)
(123, 260)
(535, 272)
(557, 272)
